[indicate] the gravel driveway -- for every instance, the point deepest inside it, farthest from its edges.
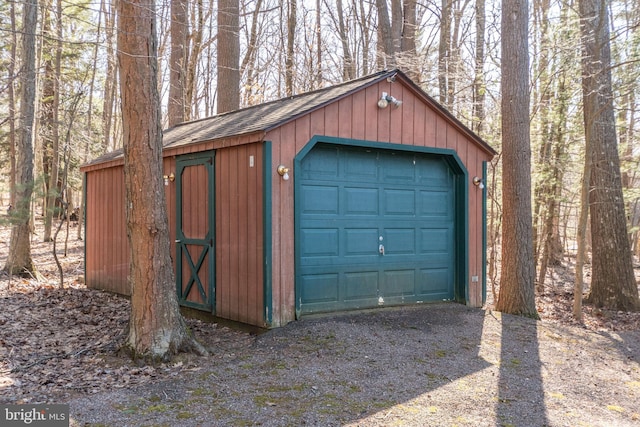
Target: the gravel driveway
(429, 365)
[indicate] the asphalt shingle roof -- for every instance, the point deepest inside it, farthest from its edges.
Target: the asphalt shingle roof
(264, 117)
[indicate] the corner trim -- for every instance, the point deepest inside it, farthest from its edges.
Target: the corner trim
(267, 249)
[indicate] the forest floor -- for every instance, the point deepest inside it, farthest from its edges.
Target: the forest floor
(429, 365)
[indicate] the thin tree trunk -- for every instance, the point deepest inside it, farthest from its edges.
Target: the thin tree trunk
(292, 21)
(48, 119)
(248, 66)
(479, 86)
(385, 41)
(348, 67)
(193, 57)
(228, 55)
(177, 62)
(319, 44)
(89, 139)
(19, 261)
(455, 59)
(583, 216)
(444, 51)
(495, 218)
(108, 126)
(12, 107)
(408, 56)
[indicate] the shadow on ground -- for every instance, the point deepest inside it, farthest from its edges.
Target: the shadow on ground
(426, 365)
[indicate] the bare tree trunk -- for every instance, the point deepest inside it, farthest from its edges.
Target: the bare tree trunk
(408, 56)
(611, 257)
(518, 270)
(19, 260)
(495, 218)
(292, 20)
(108, 11)
(444, 51)
(228, 55)
(455, 58)
(193, 56)
(366, 37)
(248, 65)
(479, 86)
(177, 62)
(89, 139)
(348, 67)
(385, 35)
(156, 327)
(319, 44)
(48, 121)
(12, 107)
(583, 217)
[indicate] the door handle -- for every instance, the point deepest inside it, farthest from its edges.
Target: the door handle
(381, 249)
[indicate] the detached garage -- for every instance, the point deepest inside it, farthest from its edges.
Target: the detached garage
(355, 196)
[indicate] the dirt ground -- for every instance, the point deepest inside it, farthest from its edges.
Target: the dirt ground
(430, 365)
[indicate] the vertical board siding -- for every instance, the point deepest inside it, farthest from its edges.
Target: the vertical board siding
(286, 216)
(107, 254)
(276, 234)
(239, 238)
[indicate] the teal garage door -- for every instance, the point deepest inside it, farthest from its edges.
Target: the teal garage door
(374, 227)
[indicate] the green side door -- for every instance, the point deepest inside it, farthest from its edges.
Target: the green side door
(195, 231)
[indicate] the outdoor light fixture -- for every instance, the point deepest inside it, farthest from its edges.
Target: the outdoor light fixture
(169, 178)
(478, 182)
(283, 171)
(385, 99)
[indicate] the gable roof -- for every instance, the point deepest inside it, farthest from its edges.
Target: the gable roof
(264, 117)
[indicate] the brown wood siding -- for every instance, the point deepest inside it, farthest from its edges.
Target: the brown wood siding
(107, 254)
(107, 247)
(358, 117)
(239, 234)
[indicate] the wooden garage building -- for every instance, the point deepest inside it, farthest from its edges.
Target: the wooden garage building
(359, 195)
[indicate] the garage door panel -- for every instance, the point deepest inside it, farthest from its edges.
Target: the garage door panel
(436, 204)
(398, 168)
(320, 242)
(360, 285)
(435, 282)
(399, 241)
(321, 163)
(361, 201)
(360, 165)
(399, 202)
(433, 173)
(320, 200)
(361, 241)
(398, 283)
(319, 288)
(435, 240)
